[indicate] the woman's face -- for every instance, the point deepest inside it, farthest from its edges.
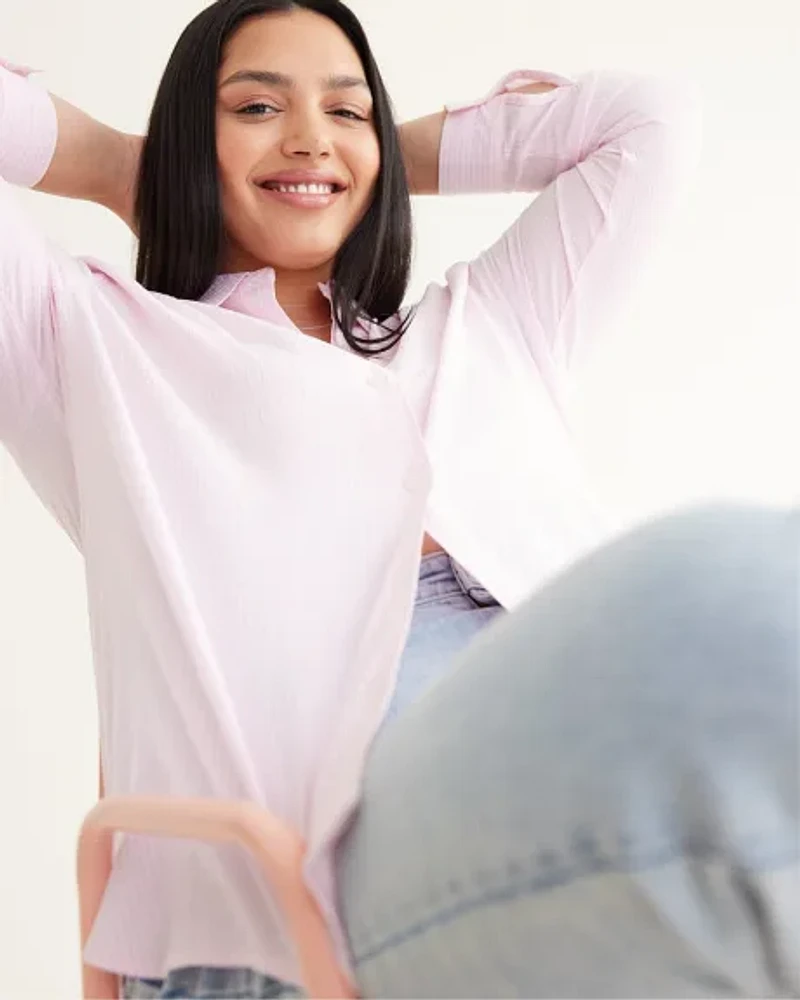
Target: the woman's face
(306, 120)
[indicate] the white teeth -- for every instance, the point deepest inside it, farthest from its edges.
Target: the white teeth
(302, 188)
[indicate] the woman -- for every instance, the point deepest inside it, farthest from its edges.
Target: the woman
(596, 797)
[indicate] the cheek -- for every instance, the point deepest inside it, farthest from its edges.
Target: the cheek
(369, 165)
(374, 159)
(235, 155)
(226, 163)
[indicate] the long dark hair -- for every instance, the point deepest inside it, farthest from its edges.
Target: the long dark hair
(178, 209)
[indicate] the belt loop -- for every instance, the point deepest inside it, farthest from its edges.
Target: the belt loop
(471, 587)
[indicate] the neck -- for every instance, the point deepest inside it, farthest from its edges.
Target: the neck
(303, 302)
(297, 293)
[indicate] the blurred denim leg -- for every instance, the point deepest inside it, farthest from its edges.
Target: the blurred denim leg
(601, 798)
(209, 983)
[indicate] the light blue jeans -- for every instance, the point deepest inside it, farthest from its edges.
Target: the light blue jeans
(596, 796)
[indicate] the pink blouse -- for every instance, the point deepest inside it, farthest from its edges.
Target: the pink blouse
(250, 502)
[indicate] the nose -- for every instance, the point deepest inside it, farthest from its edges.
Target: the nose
(306, 137)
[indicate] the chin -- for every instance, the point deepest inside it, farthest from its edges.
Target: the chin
(303, 259)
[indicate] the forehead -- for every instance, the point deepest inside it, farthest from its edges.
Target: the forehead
(300, 42)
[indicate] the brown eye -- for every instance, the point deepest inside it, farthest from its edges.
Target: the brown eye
(259, 104)
(351, 114)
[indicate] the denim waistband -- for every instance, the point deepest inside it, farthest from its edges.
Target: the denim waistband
(441, 576)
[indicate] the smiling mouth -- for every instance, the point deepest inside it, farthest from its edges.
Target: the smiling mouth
(302, 196)
(314, 189)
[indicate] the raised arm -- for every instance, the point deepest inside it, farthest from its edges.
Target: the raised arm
(39, 282)
(421, 141)
(81, 157)
(608, 154)
(92, 162)
(44, 295)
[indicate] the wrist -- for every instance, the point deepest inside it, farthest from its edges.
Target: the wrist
(420, 141)
(117, 191)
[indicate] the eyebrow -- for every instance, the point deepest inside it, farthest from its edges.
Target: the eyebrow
(272, 79)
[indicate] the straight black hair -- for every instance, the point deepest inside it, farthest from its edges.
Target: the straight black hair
(178, 209)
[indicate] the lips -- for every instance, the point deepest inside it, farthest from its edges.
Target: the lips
(301, 199)
(307, 181)
(300, 188)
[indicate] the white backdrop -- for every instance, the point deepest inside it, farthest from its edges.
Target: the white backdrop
(691, 398)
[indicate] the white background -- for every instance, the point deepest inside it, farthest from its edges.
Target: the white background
(691, 398)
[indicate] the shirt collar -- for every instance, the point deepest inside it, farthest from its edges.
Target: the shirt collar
(252, 293)
(224, 285)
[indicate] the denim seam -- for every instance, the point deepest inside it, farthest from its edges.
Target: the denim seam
(555, 879)
(442, 599)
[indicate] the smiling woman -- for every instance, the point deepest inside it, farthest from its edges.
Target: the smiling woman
(288, 124)
(294, 163)
(530, 764)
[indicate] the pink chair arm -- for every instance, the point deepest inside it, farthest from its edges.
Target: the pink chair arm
(278, 848)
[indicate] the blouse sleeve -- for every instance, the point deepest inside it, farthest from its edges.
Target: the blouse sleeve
(609, 156)
(39, 285)
(32, 270)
